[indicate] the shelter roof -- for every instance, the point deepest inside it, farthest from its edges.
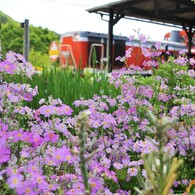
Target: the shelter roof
(173, 12)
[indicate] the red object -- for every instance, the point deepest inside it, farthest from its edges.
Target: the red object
(85, 49)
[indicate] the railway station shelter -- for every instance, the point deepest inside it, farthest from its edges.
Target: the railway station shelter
(177, 13)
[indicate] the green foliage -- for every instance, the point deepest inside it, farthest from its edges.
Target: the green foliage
(38, 59)
(6, 19)
(67, 85)
(129, 185)
(13, 33)
(112, 185)
(40, 40)
(5, 189)
(124, 184)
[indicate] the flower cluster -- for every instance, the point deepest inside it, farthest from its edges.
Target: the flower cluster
(41, 149)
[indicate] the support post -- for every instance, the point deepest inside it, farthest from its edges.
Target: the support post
(26, 41)
(190, 34)
(112, 21)
(110, 42)
(1, 55)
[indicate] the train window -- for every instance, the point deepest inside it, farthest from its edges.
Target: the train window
(76, 36)
(167, 38)
(193, 41)
(182, 39)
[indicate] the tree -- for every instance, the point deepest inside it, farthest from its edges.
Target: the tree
(11, 35)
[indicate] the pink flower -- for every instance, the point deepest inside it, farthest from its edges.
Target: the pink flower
(7, 66)
(132, 171)
(163, 97)
(28, 97)
(142, 38)
(40, 181)
(62, 128)
(146, 52)
(27, 190)
(192, 61)
(95, 184)
(13, 98)
(144, 173)
(78, 187)
(62, 155)
(191, 73)
(47, 111)
(37, 140)
(181, 61)
(15, 180)
(182, 52)
(131, 37)
(118, 165)
(128, 52)
(27, 136)
(17, 135)
(33, 168)
(157, 45)
(4, 154)
(51, 136)
(65, 110)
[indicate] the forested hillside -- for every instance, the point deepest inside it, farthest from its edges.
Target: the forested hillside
(11, 34)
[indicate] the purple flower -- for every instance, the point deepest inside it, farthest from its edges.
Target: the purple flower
(131, 37)
(15, 180)
(13, 98)
(8, 67)
(28, 97)
(182, 52)
(37, 140)
(146, 52)
(128, 52)
(144, 173)
(142, 38)
(65, 110)
(191, 73)
(132, 171)
(62, 155)
(163, 97)
(47, 111)
(107, 120)
(27, 136)
(4, 154)
(40, 181)
(78, 187)
(192, 61)
(121, 59)
(181, 61)
(26, 189)
(118, 165)
(62, 128)
(95, 184)
(51, 136)
(17, 135)
(157, 45)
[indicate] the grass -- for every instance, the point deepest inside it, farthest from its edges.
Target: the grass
(68, 86)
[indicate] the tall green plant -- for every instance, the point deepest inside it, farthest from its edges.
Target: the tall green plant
(69, 86)
(160, 167)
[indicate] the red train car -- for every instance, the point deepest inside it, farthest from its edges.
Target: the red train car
(180, 37)
(86, 49)
(82, 49)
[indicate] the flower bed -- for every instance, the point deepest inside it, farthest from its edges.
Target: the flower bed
(141, 141)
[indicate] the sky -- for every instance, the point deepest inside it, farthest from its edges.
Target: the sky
(64, 16)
